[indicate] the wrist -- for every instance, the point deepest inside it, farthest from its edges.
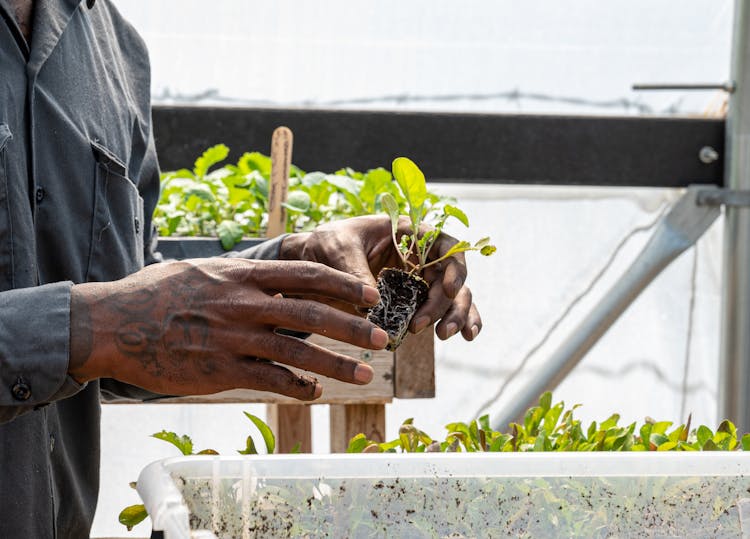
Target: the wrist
(82, 363)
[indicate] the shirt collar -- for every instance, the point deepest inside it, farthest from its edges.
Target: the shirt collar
(51, 17)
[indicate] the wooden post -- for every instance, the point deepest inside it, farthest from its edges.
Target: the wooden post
(348, 420)
(414, 369)
(292, 423)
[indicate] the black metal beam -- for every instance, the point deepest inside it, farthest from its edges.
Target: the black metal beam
(472, 148)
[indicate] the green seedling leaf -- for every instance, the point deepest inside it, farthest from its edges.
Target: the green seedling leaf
(411, 181)
(208, 452)
(297, 449)
(703, 434)
(357, 444)
(487, 250)
(265, 431)
(183, 443)
(255, 161)
(746, 442)
(545, 401)
(298, 201)
(250, 448)
(452, 211)
(230, 233)
(391, 208)
(132, 515)
(210, 157)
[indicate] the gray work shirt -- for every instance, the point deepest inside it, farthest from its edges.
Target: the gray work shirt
(79, 180)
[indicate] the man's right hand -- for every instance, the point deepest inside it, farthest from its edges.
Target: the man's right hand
(203, 326)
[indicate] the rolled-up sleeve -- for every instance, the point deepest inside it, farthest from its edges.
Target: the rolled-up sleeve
(34, 345)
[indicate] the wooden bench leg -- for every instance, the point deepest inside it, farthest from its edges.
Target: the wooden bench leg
(292, 424)
(348, 420)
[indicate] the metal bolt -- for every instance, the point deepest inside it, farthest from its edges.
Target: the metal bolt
(366, 355)
(708, 155)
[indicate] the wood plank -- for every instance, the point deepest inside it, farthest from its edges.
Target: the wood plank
(292, 424)
(414, 366)
(380, 390)
(348, 420)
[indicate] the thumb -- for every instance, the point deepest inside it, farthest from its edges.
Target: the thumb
(355, 263)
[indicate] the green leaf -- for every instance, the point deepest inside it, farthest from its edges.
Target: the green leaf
(545, 401)
(229, 232)
(463, 246)
(265, 431)
(183, 443)
(201, 191)
(297, 449)
(746, 442)
(249, 447)
(453, 211)
(487, 250)
(413, 185)
(208, 452)
(210, 157)
(703, 434)
(391, 207)
(132, 515)
(297, 201)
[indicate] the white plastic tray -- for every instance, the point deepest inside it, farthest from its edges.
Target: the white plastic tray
(676, 494)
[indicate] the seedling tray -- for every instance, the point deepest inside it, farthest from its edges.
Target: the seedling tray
(450, 495)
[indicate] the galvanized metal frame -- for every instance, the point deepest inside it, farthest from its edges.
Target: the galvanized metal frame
(734, 376)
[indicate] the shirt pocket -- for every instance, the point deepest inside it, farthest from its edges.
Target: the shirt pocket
(6, 246)
(117, 229)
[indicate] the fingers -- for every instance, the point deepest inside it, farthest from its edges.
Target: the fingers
(454, 267)
(315, 317)
(457, 315)
(310, 357)
(263, 375)
(291, 278)
(473, 324)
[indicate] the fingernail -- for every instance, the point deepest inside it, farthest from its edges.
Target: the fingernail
(421, 323)
(363, 373)
(474, 331)
(318, 391)
(378, 338)
(452, 328)
(370, 295)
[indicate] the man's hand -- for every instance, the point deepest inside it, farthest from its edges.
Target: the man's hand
(204, 326)
(362, 246)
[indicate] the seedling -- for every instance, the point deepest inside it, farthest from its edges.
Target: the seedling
(403, 290)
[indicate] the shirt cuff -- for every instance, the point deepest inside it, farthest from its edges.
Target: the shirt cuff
(34, 345)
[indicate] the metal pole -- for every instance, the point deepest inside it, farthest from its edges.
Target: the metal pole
(734, 363)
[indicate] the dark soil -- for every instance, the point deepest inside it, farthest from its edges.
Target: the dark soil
(401, 295)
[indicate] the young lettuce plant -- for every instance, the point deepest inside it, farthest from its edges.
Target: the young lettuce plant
(403, 290)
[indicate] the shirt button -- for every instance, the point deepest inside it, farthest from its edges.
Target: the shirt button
(39, 195)
(137, 223)
(21, 390)
(51, 443)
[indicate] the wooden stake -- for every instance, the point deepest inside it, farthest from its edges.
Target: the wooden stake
(281, 161)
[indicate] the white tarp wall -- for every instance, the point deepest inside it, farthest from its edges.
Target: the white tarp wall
(573, 57)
